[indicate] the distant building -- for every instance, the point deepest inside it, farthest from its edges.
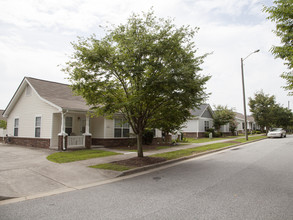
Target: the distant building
(2, 131)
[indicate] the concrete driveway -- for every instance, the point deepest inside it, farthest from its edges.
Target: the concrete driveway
(25, 171)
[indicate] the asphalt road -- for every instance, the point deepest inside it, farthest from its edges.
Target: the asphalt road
(254, 181)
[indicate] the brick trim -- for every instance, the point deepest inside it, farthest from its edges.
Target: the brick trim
(193, 134)
(30, 142)
(116, 142)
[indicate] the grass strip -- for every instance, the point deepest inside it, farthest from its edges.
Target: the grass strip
(204, 140)
(70, 156)
(186, 152)
(242, 140)
(111, 166)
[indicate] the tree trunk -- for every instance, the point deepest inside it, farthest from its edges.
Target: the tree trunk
(139, 145)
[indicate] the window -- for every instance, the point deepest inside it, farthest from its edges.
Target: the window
(206, 125)
(68, 125)
(16, 125)
(121, 128)
(38, 127)
(243, 126)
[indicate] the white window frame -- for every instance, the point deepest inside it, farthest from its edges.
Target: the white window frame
(38, 126)
(16, 127)
(206, 125)
(122, 128)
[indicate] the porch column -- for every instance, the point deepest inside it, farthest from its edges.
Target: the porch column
(87, 134)
(62, 136)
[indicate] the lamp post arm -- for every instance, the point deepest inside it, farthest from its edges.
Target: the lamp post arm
(250, 54)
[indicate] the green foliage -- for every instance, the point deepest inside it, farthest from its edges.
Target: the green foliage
(282, 14)
(65, 157)
(3, 124)
(282, 117)
(222, 115)
(262, 106)
(206, 134)
(148, 136)
(145, 69)
(218, 134)
(233, 125)
(267, 113)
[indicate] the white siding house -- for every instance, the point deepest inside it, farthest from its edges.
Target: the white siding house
(47, 114)
(251, 124)
(3, 131)
(201, 121)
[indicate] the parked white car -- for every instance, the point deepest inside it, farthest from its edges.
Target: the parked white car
(277, 132)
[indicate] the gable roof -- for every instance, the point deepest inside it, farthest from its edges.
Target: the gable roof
(250, 118)
(239, 115)
(55, 94)
(59, 94)
(201, 109)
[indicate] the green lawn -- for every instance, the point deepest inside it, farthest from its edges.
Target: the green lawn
(65, 157)
(186, 152)
(204, 140)
(190, 151)
(250, 138)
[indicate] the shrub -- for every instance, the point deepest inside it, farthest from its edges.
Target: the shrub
(218, 134)
(210, 130)
(148, 136)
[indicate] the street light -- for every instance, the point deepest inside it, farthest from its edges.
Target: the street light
(244, 103)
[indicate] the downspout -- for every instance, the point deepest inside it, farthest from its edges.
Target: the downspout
(197, 128)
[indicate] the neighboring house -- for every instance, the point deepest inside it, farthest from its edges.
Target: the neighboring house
(48, 114)
(240, 122)
(251, 124)
(2, 131)
(202, 120)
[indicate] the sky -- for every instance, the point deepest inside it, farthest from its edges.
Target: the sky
(36, 36)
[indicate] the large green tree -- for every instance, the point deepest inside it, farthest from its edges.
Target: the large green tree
(222, 115)
(262, 108)
(282, 13)
(282, 117)
(145, 69)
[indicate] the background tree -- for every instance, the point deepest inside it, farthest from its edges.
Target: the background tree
(222, 115)
(282, 117)
(282, 14)
(233, 126)
(144, 69)
(3, 124)
(262, 108)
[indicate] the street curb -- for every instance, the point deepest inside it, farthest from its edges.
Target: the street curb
(152, 166)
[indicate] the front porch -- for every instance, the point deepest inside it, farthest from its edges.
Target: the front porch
(70, 129)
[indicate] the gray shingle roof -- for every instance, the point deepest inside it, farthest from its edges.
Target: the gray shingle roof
(250, 118)
(200, 110)
(59, 94)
